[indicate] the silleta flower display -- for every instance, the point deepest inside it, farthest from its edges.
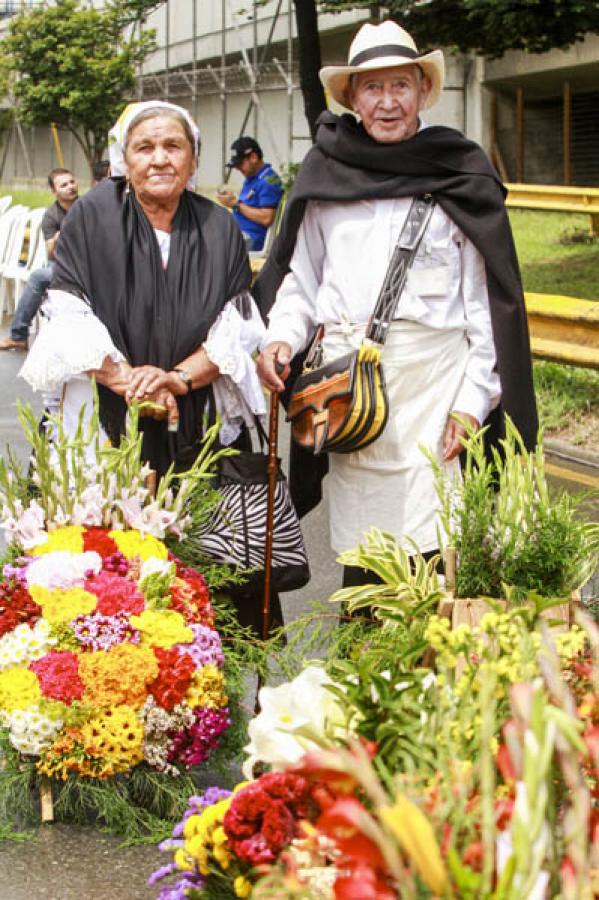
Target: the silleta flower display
(108, 655)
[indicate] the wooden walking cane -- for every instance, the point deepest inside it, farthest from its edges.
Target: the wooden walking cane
(271, 470)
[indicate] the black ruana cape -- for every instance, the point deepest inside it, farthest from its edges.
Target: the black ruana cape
(108, 254)
(347, 164)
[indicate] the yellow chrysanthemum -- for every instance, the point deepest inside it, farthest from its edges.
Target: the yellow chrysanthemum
(19, 688)
(132, 543)
(183, 861)
(69, 537)
(242, 887)
(61, 606)
(207, 688)
(117, 735)
(162, 628)
(191, 826)
(118, 676)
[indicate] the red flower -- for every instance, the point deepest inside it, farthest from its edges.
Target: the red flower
(505, 764)
(264, 817)
(503, 812)
(342, 822)
(190, 596)
(58, 674)
(363, 883)
(474, 855)
(97, 539)
(174, 677)
(115, 594)
(16, 607)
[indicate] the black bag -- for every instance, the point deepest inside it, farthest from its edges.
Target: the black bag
(236, 532)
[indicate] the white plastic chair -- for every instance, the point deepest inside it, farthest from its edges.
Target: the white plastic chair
(5, 203)
(18, 275)
(13, 247)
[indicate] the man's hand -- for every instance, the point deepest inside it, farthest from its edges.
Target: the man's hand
(455, 431)
(51, 245)
(273, 365)
(226, 197)
(145, 381)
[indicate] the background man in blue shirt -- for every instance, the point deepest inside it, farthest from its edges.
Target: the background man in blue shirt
(259, 197)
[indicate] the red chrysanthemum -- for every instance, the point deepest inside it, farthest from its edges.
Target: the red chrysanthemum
(174, 677)
(263, 817)
(58, 674)
(190, 595)
(97, 539)
(16, 607)
(115, 594)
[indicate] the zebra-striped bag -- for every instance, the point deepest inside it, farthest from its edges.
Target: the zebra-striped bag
(236, 532)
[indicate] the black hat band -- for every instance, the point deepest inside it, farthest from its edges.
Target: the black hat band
(384, 50)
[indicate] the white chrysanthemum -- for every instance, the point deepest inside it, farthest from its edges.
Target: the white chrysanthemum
(31, 730)
(62, 569)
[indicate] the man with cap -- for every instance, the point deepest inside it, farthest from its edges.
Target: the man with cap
(260, 195)
(457, 353)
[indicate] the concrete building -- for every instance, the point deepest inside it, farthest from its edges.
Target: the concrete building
(234, 66)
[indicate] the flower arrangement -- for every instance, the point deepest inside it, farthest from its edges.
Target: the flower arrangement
(512, 535)
(114, 660)
(112, 672)
(476, 780)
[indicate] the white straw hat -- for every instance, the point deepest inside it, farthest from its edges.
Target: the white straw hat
(379, 47)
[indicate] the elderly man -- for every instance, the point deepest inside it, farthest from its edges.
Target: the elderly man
(457, 351)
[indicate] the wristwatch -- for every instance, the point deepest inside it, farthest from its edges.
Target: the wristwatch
(236, 207)
(185, 377)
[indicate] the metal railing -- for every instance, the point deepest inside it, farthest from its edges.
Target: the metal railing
(564, 329)
(557, 199)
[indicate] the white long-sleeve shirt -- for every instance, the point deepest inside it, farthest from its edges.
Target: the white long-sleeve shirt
(338, 266)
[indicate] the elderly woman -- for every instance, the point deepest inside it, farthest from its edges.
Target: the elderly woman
(149, 295)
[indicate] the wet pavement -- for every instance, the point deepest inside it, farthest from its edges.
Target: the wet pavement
(62, 862)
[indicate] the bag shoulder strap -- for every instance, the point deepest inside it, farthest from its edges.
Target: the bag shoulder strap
(412, 232)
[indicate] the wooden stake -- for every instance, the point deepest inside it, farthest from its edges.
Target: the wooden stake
(151, 482)
(46, 801)
(450, 570)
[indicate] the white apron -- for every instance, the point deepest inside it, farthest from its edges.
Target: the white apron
(390, 484)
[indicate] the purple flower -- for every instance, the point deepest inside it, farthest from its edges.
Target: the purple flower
(98, 632)
(206, 647)
(193, 745)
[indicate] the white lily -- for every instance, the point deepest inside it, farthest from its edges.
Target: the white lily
(295, 717)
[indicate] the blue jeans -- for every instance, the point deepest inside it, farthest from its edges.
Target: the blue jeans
(30, 302)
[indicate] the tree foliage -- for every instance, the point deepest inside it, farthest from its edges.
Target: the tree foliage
(488, 27)
(75, 66)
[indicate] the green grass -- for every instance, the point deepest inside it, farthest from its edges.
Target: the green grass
(556, 257)
(28, 197)
(555, 254)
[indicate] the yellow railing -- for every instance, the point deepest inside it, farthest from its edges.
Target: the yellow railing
(556, 198)
(564, 329)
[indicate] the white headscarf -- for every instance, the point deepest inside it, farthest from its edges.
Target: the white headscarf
(117, 136)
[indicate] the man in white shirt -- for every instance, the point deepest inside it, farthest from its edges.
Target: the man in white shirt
(445, 360)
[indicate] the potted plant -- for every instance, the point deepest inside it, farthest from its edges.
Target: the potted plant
(506, 535)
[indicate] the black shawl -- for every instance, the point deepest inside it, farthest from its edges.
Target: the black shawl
(109, 255)
(347, 164)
